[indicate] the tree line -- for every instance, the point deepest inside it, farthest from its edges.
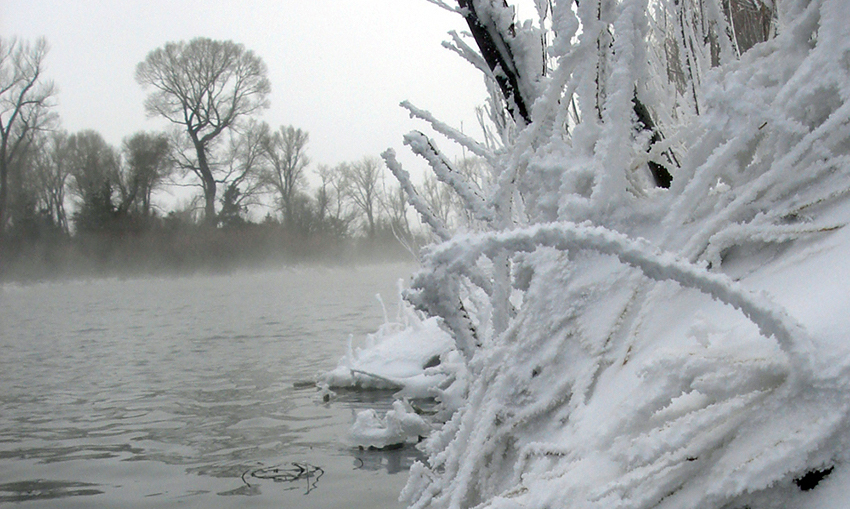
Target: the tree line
(71, 200)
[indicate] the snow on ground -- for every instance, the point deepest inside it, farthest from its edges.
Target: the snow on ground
(405, 355)
(399, 426)
(410, 355)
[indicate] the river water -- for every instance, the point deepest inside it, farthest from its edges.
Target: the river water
(189, 391)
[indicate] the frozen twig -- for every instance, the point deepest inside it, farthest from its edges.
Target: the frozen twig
(451, 133)
(444, 5)
(413, 196)
(474, 202)
(468, 53)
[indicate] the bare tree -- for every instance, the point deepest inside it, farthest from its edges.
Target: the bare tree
(24, 104)
(395, 206)
(94, 167)
(362, 188)
(92, 163)
(147, 165)
(49, 175)
(242, 164)
(285, 151)
(204, 86)
(440, 198)
(323, 197)
(332, 199)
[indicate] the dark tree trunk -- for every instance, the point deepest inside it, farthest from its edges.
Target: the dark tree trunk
(4, 183)
(660, 174)
(4, 191)
(497, 53)
(209, 185)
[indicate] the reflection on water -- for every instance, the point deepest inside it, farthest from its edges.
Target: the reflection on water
(142, 393)
(392, 461)
(40, 489)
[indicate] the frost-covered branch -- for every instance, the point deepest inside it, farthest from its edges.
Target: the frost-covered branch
(491, 26)
(413, 197)
(467, 53)
(462, 252)
(768, 233)
(451, 133)
(422, 146)
(444, 5)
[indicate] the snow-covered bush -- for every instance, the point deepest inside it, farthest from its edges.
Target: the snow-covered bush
(651, 300)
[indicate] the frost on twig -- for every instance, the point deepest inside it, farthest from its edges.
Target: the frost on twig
(467, 53)
(474, 202)
(451, 133)
(445, 6)
(413, 197)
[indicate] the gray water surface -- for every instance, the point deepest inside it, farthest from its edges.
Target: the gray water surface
(188, 391)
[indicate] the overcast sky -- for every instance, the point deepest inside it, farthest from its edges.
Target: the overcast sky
(338, 68)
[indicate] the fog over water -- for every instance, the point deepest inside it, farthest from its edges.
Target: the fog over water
(146, 393)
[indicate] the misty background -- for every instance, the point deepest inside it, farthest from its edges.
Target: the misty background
(98, 182)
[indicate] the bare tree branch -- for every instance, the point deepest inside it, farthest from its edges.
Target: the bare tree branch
(24, 105)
